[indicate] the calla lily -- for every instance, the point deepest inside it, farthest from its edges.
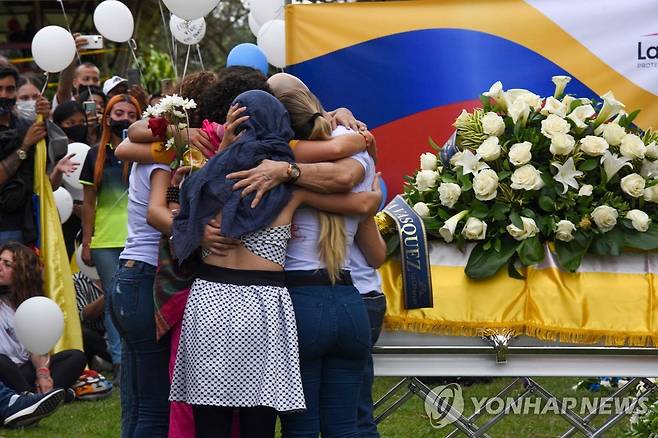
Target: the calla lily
(611, 107)
(560, 84)
(496, 93)
(470, 163)
(447, 231)
(519, 112)
(566, 174)
(649, 169)
(613, 163)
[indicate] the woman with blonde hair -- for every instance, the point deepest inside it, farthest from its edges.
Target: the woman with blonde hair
(105, 204)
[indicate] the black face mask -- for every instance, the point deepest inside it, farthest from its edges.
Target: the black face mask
(118, 126)
(76, 134)
(6, 105)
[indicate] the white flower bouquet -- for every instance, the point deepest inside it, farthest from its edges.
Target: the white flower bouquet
(526, 170)
(168, 120)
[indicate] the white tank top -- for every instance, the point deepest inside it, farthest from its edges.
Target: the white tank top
(302, 253)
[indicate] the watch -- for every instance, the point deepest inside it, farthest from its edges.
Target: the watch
(22, 155)
(294, 172)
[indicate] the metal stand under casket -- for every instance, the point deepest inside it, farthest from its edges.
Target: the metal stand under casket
(404, 354)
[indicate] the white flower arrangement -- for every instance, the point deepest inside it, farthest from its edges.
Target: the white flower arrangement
(530, 170)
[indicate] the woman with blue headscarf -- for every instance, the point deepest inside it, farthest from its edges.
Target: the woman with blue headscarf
(238, 346)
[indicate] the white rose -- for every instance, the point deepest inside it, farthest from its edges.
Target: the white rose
(612, 132)
(594, 146)
(447, 231)
(632, 147)
(426, 179)
(554, 124)
(455, 158)
(489, 150)
(580, 114)
(562, 144)
(564, 231)
(652, 151)
(633, 185)
(485, 184)
(519, 112)
(530, 229)
(519, 154)
(422, 209)
(449, 194)
(651, 194)
(586, 190)
(493, 124)
(560, 84)
(428, 161)
(554, 106)
(640, 220)
(527, 178)
(605, 217)
(474, 229)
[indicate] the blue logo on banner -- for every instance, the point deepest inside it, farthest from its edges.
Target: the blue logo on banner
(416, 274)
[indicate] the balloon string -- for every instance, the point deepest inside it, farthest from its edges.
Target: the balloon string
(133, 47)
(77, 54)
(45, 84)
(187, 59)
(198, 51)
(169, 39)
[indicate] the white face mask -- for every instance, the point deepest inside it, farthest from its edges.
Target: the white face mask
(27, 109)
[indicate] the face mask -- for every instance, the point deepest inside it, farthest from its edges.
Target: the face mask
(27, 109)
(6, 105)
(118, 126)
(77, 133)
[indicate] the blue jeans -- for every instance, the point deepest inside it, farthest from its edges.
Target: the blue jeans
(334, 340)
(106, 261)
(375, 303)
(145, 366)
(11, 236)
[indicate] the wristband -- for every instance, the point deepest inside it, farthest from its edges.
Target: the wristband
(173, 194)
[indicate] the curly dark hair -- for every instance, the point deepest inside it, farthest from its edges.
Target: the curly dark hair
(231, 82)
(192, 87)
(27, 277)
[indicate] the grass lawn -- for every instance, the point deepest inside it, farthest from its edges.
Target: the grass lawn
(101, 419)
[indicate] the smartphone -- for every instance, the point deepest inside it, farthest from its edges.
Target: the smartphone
(90, 107)
(93, 42)
(133, 77)
(167, 86)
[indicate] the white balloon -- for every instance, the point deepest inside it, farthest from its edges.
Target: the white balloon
(38, 323)
(272, 41)
(89, 271)
(53, 49)
(114, 21)
(72, 180)
(254, 25)
(190, 9)
(64, 203)
(266, 10)
(188, 32)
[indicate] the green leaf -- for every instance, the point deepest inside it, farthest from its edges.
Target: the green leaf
(447, 178)
(646, 241)
(392, 244)
(515, 219)
(570, 254)
(546, 203)
(589, 165)
(504, 175)
(512, 271)
(499, 211)
(610, 243)
(486, 263)
(531, 251)
(432, 224)
(485, 101)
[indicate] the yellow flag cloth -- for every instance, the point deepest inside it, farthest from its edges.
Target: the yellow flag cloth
(58, 280)
(613, 300)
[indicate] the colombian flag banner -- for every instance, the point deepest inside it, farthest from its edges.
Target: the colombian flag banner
(407, 69)
(58, 280)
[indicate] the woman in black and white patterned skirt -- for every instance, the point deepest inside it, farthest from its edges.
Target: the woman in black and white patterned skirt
(238, 346)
